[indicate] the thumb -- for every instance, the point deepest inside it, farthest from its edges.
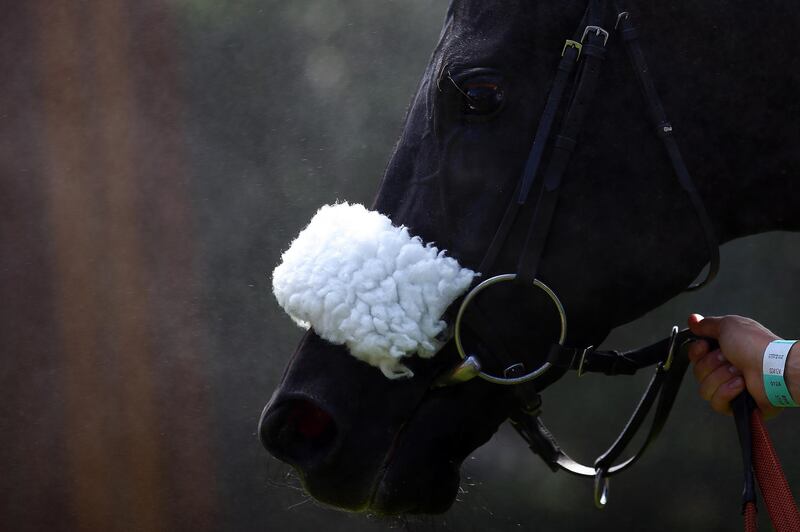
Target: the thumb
(708, 327)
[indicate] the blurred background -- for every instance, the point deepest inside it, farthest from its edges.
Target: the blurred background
(155, 158)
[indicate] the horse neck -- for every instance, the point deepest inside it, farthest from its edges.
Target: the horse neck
(732, 94)
(755, 203)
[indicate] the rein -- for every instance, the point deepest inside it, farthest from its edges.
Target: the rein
(582, 57)
(761, 461)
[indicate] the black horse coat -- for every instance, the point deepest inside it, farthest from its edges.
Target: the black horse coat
(624, 238)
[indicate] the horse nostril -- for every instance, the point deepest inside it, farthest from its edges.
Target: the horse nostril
(298, 431)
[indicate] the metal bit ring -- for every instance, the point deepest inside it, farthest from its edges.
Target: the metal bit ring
(478, 289)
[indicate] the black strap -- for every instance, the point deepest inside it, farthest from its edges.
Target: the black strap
(665, 131)
(593, 51)
(609, 362)
(666, 380)
(594, 361)
(663, 386)
(743, 406)
(566, 66)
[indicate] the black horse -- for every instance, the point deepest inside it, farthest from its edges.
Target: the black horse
(624, 237)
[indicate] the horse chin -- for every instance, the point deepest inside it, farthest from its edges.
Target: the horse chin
(431, 491)
(422, 470)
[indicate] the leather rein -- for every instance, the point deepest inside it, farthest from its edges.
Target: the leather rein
(582, 57)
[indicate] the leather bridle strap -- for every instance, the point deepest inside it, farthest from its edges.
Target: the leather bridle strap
(563, 146)
(663, 387)
(743, 406)
(665, 131)
(570, 55)
(608, 362)
(662, 390)
(666, 380)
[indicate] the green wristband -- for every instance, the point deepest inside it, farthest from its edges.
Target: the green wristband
(773, 365)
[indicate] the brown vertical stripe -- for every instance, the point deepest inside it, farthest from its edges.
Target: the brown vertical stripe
(32, 457)
(73, 216)
(127, 296)
(136, 413)
(176, 317)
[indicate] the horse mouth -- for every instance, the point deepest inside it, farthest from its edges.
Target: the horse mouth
(360, 451)
(414, 476)
(419, 473)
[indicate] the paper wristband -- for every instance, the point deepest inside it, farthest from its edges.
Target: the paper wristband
(775, 356)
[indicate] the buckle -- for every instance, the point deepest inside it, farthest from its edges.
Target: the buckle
(506, 277)
(622, 16)
(572, 44)
(671, 352)
(581, 371)
(600, 32)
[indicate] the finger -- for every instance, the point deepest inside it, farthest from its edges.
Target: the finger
(697, 350)
(694, 318)
(715, 379)
(701, 326)
(707, 364)
(727, 392)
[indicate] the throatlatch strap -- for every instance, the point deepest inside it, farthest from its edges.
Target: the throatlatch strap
(664, 130)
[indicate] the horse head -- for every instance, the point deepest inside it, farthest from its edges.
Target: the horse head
(623, 239)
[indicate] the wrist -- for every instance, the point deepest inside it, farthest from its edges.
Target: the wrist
(778, 384)
(791, 374)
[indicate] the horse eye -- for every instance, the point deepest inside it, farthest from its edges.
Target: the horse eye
(482, 99)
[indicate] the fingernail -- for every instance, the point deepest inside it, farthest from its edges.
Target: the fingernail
(720, 357)
(734, 370)
(736, 383)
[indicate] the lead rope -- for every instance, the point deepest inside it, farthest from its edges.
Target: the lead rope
(774, 487)
(759, 456)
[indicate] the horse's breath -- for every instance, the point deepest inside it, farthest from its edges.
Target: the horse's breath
(360, 281)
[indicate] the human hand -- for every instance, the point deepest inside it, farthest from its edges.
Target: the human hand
(724, 373)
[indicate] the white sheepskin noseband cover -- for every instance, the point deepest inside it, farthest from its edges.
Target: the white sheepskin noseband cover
(362, 282)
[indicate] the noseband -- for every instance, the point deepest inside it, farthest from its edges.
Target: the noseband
(581, 60)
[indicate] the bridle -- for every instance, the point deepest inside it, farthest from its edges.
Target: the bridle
(582, 57)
